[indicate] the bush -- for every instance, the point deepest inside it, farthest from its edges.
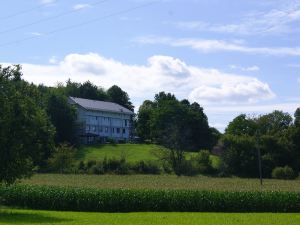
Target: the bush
(122, 200)
(203, 162)
(146, 167)
(62, 159)
(286, 173)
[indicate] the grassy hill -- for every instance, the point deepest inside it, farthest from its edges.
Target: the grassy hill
(132, 152)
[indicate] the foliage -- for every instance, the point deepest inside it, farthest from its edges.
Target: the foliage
(274, 134)
(122, 200)
(286, 173)
(26, 134)
(204, 163)
(166, 114)
(62, 159)
(63, 117)
(241, 125)
(117, 95)
(240, 156)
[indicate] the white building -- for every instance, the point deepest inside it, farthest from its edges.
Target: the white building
(98, 120)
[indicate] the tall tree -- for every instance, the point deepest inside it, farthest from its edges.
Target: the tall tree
(117, 95)
(26, 134)
(62, 116)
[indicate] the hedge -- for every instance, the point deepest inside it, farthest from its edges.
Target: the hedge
(122, 200)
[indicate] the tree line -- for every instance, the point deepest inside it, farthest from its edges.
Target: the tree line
(35, 120)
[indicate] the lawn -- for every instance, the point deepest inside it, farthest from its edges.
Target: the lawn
(162, 182)
(132, 152)
(25, 217)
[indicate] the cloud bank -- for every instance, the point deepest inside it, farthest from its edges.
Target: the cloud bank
(160, 73)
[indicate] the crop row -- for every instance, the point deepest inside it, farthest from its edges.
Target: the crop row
(122, 200)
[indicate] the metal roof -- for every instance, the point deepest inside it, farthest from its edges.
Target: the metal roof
(100, 105)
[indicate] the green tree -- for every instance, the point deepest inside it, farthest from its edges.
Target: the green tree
(62, 116)
(241, 125)
(117, 95)
(26, 134)
(62, 159)
(144, 120)
(297, 117)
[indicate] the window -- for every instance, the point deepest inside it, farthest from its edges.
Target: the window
(113, 130)
(118, 130)
(101, 129)
(106, 129)
(87, 127)
(124, 131)
(125, 123)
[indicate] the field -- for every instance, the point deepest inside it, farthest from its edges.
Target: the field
(25, 217)
(132, 152)
(162, 182)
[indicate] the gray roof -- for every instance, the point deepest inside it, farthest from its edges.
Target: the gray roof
(100, 105)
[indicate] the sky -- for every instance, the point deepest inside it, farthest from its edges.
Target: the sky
(230, 56)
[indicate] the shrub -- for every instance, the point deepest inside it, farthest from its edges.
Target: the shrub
(122, 200)
(146, 167)
(203, 161)
(62, 159)
(286, 173)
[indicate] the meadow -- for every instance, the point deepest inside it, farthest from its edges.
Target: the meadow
(166, 182)
(132, 152)
(37, 217)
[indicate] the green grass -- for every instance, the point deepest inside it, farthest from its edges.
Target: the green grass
(133, 152)
(162, 182)
(25, 217)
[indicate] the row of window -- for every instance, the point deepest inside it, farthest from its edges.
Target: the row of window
(101, 129)
(104, 119)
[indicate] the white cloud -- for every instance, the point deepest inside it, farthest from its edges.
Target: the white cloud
(161, 73)
(36, 34)
(246, 69)
(47, 2)
(276, 20)
(53, 60)
(213, 45)
(81, 6)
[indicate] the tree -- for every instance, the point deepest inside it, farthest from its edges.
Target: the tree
(117, 95)
(26, 134)
(62, 159)
(62, 116)
(240, 156)
(297, 118)
(241, 125)
(274, 123)
(144, 120)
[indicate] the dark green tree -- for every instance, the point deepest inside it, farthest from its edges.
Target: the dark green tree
(117, 95)
(26, 134)
(62, 116)
(241, 125)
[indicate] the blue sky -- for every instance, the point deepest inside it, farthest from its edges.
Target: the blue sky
(231, 57)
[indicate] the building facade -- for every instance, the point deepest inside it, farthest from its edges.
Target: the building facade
(98, 121)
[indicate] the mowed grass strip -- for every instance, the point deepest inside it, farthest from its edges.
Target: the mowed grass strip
(25, 217)
(165, 182)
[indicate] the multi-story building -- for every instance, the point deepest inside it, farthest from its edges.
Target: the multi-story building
(98, 121)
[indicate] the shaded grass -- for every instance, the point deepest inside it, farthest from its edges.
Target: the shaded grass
(24, 217)
(163, 182)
